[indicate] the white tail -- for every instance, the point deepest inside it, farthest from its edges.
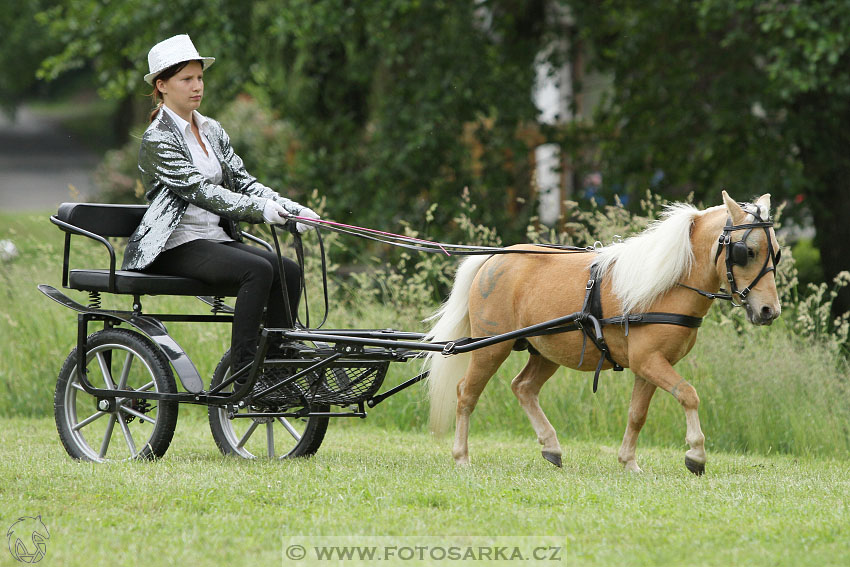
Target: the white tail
(452, 323)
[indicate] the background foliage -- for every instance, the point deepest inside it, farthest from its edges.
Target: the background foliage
(750, 95)
(419, 114)
(385, 102)
(390, 106)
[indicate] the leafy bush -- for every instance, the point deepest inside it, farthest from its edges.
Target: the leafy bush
(117, 176)
(266, 144)
(408, 280)
(807, 256)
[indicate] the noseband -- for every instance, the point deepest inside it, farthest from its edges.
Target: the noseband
(738, 254)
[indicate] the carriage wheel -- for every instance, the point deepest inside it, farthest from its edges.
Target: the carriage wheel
(122, 428)
(271, 437)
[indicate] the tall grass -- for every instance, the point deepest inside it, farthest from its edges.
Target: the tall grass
(762, 389)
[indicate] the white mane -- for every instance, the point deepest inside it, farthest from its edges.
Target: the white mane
(645, 266)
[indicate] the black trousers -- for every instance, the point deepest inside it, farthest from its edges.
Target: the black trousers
(254, 271)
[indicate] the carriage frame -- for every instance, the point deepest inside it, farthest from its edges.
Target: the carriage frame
(325, 369)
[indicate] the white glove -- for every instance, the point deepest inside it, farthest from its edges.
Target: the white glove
(274, 213)
(310, 214)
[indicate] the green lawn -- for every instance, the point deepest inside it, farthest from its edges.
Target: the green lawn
(196, 508)
(764, 391)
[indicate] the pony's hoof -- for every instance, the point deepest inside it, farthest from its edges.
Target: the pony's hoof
(462, 461)
(695, 467)
(553, 458)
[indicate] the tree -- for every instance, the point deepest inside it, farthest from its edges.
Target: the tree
(390, 99)
(21, 52)
(749, 95)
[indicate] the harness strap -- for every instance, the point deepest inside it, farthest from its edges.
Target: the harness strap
(595, 334)
(592, 311)
(299, 254)
(725, 241)
(586, 310)
(654, 318)
(724, 295)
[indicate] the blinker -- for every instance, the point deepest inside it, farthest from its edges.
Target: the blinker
(740, 253)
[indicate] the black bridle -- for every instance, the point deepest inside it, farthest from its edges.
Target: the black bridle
(738, 254)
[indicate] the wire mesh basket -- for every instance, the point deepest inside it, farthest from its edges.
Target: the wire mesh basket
(342, 382)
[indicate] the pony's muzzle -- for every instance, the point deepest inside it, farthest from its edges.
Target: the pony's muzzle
(768, 314)
(763, 316)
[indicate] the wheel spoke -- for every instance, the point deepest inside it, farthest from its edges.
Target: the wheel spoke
(116, 360)
(138, 414)
(104, 369)
(288, 426)
(270, 438)
(88, 420)
(247, 435)
(107, 436)
(128, 437)
(125, 372)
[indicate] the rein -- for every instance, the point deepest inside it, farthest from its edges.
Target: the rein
(590, 319)
(422, 245)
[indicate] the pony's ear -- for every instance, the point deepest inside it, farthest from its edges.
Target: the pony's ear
(763, 203)
(735, 211)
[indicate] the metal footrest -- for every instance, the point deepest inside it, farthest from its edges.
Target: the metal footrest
(343, 382)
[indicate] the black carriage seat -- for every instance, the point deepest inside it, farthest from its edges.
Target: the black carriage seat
(140, 283)
(99, 221)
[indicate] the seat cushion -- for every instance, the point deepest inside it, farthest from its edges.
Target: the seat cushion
(141, 283)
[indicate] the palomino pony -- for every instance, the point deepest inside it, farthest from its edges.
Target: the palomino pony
(676, 266)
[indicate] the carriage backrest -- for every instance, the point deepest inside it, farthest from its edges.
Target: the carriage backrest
(100, 221)
(102, 218)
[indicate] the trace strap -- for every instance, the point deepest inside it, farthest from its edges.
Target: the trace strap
(589, 320)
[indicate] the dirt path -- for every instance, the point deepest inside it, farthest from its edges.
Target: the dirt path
(41, 166)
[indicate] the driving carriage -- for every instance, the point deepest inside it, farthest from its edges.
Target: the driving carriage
(117, 397)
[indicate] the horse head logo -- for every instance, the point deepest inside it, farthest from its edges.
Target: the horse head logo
(28, 539)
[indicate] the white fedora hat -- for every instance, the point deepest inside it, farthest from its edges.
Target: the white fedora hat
(171, 51)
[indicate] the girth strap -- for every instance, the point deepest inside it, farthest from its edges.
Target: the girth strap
(591, 321)
(591, 311)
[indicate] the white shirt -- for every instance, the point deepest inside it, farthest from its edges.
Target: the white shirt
(197, 223)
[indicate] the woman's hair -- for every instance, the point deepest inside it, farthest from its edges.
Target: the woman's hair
(155, 95)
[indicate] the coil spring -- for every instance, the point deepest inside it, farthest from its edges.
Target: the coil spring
(218, 304)
(94, 300)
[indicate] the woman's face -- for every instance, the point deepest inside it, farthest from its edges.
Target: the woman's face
(184, 91)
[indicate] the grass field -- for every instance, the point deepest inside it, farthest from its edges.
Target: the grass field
(775, 410)
(195, 507)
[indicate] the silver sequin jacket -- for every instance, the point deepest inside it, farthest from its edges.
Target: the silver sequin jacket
(172, 181)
